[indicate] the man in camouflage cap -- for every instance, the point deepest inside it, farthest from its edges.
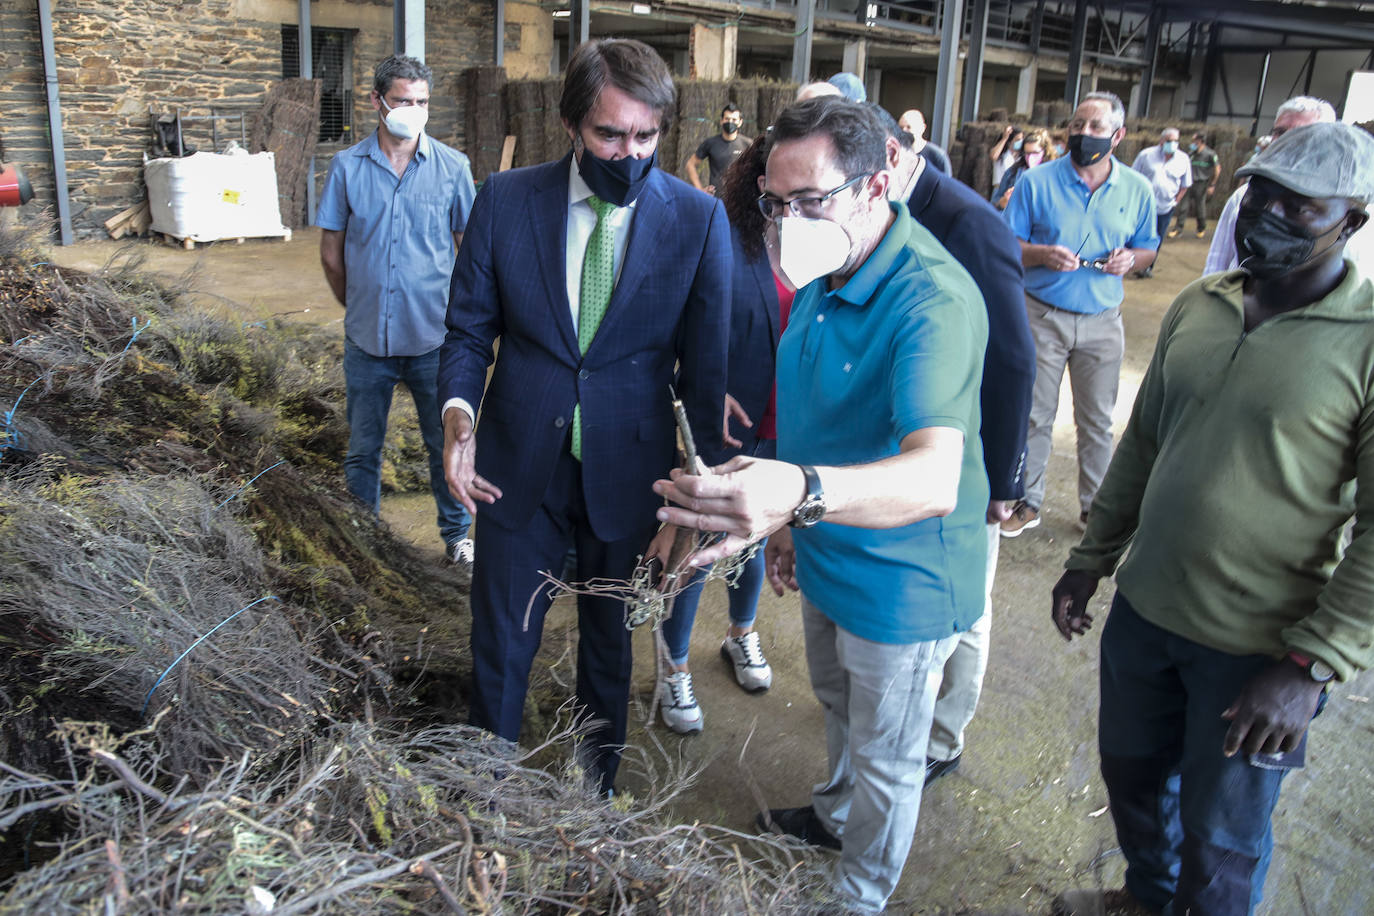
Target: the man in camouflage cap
(1250, 446)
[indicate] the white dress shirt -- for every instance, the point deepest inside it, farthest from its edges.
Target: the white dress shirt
(581, 223)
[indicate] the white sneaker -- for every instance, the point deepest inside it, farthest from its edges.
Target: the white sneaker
(745, 654)
(681, 712)
(460, 554)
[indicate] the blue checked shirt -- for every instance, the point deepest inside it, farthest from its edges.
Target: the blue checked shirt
(398, 241)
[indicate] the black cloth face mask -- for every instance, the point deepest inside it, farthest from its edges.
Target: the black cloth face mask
(1269, 246)
(616, 181)
(1085, 150)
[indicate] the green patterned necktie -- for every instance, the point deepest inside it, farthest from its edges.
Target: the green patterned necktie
(598, 279)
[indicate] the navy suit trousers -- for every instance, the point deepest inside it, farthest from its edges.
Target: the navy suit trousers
(506, 574)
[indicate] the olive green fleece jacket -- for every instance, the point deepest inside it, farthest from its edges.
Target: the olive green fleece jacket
(1237, 471)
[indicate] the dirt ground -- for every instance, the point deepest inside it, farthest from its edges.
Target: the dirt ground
(1025, 816)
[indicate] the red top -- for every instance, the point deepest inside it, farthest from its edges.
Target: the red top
(768, 426)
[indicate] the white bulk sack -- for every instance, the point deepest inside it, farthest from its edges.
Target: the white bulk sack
(209, 196)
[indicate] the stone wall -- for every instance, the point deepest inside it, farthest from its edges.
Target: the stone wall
(115, 58)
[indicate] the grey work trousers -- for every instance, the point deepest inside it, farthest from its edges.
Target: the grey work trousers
(1091, 347)
(963, 678)
(878, 699)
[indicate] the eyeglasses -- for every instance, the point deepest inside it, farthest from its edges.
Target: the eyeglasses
(807, 207)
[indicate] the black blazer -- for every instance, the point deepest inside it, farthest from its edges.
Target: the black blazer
(755, 326)
(666, 324)
(980, 239)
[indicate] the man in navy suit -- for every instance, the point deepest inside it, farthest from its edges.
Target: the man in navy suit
(980, 240)
(606, 280)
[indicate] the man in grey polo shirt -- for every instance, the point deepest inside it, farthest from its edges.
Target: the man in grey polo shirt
(1083, 221)
(393, 212)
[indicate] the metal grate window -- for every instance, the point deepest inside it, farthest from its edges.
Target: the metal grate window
(331, 54)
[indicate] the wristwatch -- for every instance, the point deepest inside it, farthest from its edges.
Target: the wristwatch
(812, 508)
(1316, 669)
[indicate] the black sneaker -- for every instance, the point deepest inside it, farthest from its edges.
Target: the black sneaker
(801, 823)
(937, 768)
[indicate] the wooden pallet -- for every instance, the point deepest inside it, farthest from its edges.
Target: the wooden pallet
(189, 244)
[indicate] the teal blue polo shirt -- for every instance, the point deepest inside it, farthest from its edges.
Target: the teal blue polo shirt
(1052, 206)
(897, 348)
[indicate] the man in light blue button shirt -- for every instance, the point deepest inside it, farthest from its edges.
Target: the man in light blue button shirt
(393, 212)
(1083, 221)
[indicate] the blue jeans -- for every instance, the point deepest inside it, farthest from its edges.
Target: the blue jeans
(744, 604)
(370, 382)
(1193, 825)
(1162, 221)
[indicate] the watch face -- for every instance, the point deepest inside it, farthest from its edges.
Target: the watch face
(1321, 671)
(808, 513)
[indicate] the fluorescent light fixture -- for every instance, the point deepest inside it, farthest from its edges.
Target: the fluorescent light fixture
(562, 14)
(641, 9)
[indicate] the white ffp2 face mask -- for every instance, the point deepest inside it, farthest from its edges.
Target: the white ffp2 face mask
(406, 121)
(810, 248)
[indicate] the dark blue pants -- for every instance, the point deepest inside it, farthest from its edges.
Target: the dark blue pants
(1162, 221)
(504, 577)
(370, 381)
(1193, 825)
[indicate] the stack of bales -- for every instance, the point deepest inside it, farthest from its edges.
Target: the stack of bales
(529, 112)
(486, 118)
(971, 161)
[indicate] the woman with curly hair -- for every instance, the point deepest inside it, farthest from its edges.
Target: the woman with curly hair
(759, 306)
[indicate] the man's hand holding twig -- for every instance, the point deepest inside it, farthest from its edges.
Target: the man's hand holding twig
(745, 498)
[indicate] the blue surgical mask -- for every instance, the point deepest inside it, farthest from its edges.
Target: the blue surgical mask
(1170, 147)
(1016, 145)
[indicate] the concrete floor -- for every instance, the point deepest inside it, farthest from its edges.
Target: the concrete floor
(1025, 816)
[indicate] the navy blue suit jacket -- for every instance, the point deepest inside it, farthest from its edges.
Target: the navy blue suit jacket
(979, 239)
(666, 324)
(755, 327)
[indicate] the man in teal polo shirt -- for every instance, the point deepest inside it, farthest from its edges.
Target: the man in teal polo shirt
(1083, 221)
(880, 474)
(393, 211)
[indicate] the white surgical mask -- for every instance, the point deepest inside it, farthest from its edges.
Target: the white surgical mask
(406, 121)
(811, 248)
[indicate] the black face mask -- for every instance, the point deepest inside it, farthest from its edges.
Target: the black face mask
(1085, 150)
(1269, 246)
(616, 181)
(729, 127)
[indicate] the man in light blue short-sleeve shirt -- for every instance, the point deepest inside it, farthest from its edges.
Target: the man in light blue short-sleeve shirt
(1083, 221)
(393, 212)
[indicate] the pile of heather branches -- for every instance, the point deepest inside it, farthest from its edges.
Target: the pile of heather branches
(376, 822)
(199, 709)
(107, 584)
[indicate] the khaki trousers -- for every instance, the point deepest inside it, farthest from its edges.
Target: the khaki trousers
(1090, 347)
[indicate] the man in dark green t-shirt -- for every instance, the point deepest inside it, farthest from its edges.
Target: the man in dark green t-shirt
(719, 150)
(1206, 168)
